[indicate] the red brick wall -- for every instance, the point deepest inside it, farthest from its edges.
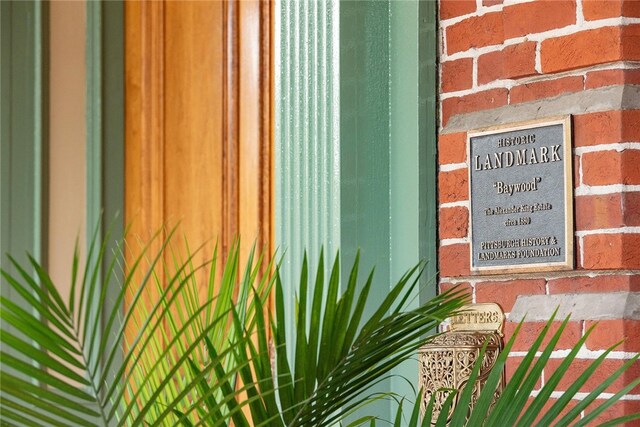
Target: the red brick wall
(495, 55)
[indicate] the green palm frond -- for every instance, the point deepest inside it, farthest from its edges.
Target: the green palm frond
(337, 353)
(178, 343)
(88, 360)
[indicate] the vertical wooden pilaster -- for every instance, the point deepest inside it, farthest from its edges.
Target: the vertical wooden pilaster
(199, 130)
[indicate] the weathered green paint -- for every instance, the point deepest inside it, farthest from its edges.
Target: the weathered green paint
(23, 126)
(385, 108)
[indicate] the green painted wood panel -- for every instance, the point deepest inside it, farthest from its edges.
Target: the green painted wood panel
(365, 136)
(365, 154)
(412, 151)
(113, 107)
(428, 143)
(23, 125)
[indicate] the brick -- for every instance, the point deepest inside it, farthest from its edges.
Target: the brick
(475, 31)
(598, 284)
(490, 67)
(457, 75)
(602, 168)
(632, 209)
(607, 127)
(604, 371)
(530, 331)
(611, 251)
(611, 167)
(484, 100)
(545, 89)
(581, 49)
(591, 47)
(453, 222)
(505, 293)
(489, 3)
(597, 128)
(453, 8)
(631, 167)
(538, 16)
(607, 333)
(452, 148)
(617, 410)
(600, 211)
(512, 62)
(602, 78)
(630, 126)
(602, 9)
(631, 8)
(454, 260)
(631, 42)
(465, 287)
(520, 60)
(453, 186)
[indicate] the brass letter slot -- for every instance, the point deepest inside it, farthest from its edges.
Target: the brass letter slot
(447, 362)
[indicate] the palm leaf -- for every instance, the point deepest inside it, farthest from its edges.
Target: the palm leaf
(337, 354)
(70, 365)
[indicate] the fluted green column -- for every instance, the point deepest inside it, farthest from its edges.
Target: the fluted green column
(307, 152)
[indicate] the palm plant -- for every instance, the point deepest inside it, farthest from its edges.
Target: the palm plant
(337, 354)
(100, 359)
(316, 389)
(165, 350)
(168, 351)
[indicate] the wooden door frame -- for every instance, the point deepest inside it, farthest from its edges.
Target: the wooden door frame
(249, 198)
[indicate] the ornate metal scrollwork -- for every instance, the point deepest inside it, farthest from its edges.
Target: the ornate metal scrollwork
(447, 362)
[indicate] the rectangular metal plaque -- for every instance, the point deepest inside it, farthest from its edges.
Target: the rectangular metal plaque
(521, 195)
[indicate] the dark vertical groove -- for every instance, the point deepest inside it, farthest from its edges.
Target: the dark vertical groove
(264, 214)
(428, 207)
(44, 135)
(230, 124)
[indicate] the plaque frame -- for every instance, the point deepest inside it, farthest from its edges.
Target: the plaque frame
(567, 141)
